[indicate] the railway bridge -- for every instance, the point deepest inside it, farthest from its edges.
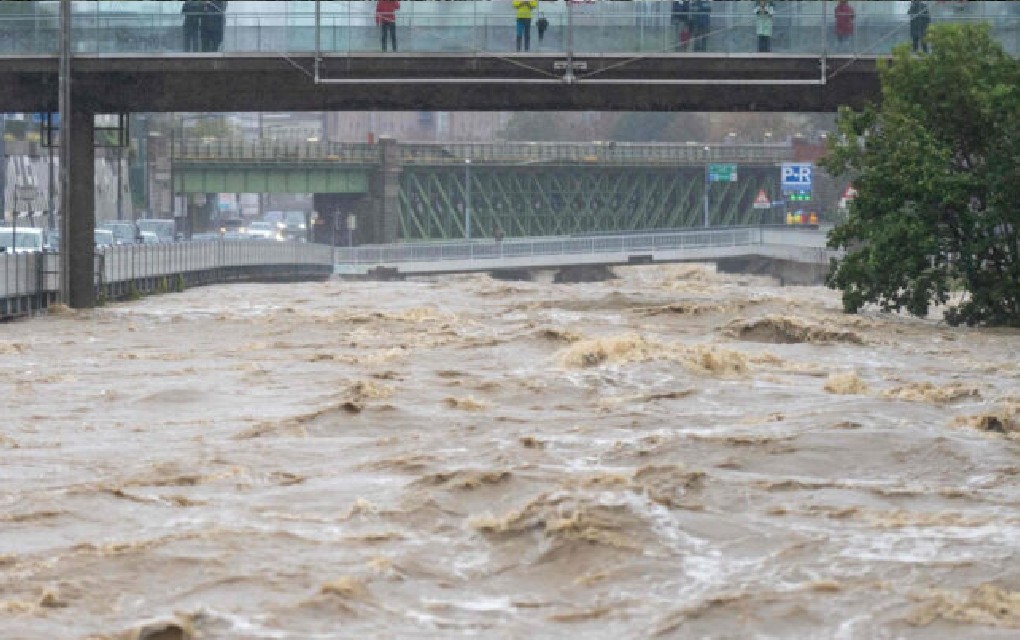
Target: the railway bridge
(401, 192)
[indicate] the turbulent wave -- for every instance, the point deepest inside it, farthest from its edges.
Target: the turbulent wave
(673, 453)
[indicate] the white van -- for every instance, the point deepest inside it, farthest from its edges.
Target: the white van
(21, 240)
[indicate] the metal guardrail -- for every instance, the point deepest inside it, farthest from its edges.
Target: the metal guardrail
(191, 150)
(801, 245)
(28, 281)
(387, 255)
(23, 273)
(273, 151)
(135, 261)
(609, 153)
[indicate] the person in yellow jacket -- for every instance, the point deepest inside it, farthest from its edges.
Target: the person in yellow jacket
(524, 8)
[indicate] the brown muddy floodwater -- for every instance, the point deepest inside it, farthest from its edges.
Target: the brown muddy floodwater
(672, 454)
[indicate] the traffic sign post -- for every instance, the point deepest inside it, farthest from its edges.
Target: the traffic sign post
(762, 200)
(848, 196)
(722, 173)
(796, 177)
(717, 173)
(795, 182)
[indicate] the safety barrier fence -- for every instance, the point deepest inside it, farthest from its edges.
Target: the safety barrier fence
(386, 255)
(273, 151)
(130, 262)
(31, 281)
(438, 26)
(612, 153)
(209, 150)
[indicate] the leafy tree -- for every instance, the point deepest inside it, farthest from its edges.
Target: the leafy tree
(937, 168)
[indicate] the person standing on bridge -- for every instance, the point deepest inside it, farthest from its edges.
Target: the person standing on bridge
(524, 8)
(192, 12)
(213, 24)
(220, 28)
(844, 24)
(386, 18)
(764, 14)
(920, 18)
(680, 18)
(701, 23)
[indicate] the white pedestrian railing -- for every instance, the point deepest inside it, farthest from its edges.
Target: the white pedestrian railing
(546, 247)
(30, 275)
(132, 262)
(26, 275)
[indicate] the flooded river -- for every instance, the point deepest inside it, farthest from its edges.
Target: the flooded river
(670, 454)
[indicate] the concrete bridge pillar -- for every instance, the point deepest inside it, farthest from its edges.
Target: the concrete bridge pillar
(79, 222)
(384, 190)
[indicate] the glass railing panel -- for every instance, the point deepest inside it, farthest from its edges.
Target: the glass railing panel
(29, 28)
(438, 26)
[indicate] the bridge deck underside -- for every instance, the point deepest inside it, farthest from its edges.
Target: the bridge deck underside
(276, 82)
(548, 201)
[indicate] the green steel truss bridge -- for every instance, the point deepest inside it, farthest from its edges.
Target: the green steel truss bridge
(446, 191)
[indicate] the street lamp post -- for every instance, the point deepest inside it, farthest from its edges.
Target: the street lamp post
(467, 198)
(120, 186)
(707, 183)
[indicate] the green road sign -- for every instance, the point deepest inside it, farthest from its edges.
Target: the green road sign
(722, 173)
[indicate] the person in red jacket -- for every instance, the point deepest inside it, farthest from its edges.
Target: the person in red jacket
(844, 23)
(386, 18)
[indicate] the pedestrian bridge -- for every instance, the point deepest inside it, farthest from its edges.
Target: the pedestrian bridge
(287, 56)
(795, 245)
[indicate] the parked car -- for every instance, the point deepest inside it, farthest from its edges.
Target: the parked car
(296, 226)
(104, 238)
(162, 227)
(21, 240)
(233, 225)
(52, 242)
(264, 230)
(123, 232)
(148, 237)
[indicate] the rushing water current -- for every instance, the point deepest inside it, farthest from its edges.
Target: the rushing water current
(674, 453)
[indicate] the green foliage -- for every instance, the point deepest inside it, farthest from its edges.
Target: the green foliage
(133, 293)
(179, 285)
(936, 168)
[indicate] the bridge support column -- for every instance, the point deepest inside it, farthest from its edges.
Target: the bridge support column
(79, 243)
(385, 193)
